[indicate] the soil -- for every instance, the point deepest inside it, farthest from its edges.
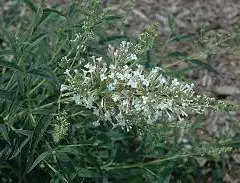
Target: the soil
(218, 16)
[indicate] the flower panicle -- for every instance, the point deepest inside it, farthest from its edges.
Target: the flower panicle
(125, 94)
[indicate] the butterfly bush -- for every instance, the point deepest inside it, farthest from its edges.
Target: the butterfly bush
(126, 94)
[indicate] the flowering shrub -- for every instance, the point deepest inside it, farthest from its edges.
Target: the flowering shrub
(73, 109)
(130, 95)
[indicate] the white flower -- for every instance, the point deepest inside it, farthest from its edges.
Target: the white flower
(89, 102)
(112, 67)
(162, 80)
(110, 49)
(128, 93)
(112, 75)
(118, 75)
(136, 73)
(133, 57)
(76, 99)
(145, 82)
(121, 120)
(103, 77)
(99, 59)
(86, 80)
(107, 116)
(132, 83)
(175, 82)
(96, 123)
(115, 54)
(111, 87)
(115, 97)
(67, 72)
(145, 99)
(90, 67)
(127, 75)
(96, 111)
(64, 87)
(125, 67)
(87, 66)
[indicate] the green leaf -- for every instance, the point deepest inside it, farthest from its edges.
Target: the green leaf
(18, 148)
(11, 38)
(42, 111)
(176, 54)
(46, 13)
(16, 106)
(5, 52)
(4, 154)
(112, 18)
(36, 40)
(203, 65)
(179, 73)
(21, 84)
(4, 133)
(114, 39)
(30, 4)
(82, 172)
(39, 130)
(9, 65)
(41, 19)
(50, 10)
(23, 132)
(182, 38)
(40, 158)
(6, 95)
(46, 74)
(171, 23)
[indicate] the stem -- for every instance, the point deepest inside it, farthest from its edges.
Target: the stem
(36, 87)
(141, 165)
(52, 103)
(173, 64)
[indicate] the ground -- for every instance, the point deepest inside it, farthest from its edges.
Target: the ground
(219, 16)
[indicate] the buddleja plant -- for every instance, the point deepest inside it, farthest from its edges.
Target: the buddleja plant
(76, 108)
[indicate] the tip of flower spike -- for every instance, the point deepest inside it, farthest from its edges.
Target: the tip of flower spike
(227, 106)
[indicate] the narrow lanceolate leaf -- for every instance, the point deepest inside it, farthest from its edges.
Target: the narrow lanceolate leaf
(50, 10)
(6, 95)
(44, 73)
(22, 132)
(18, 148)
(40, 129)
(65, 149)
(38, 160)
(176, 54)
(112, 18)
(38, 133)
(4, 154)
(5, 52)
(182, 38)
(112, 39)
(36, 40)
(203, 65)
(4, 133)
(11, 65)
(45, 15)
(31, 5)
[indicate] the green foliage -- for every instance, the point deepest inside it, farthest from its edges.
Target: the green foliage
(45, 137)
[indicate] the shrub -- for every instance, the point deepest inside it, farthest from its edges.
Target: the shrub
(80, 105)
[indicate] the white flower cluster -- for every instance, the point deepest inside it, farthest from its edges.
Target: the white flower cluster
(122, 54)
(123, 95)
